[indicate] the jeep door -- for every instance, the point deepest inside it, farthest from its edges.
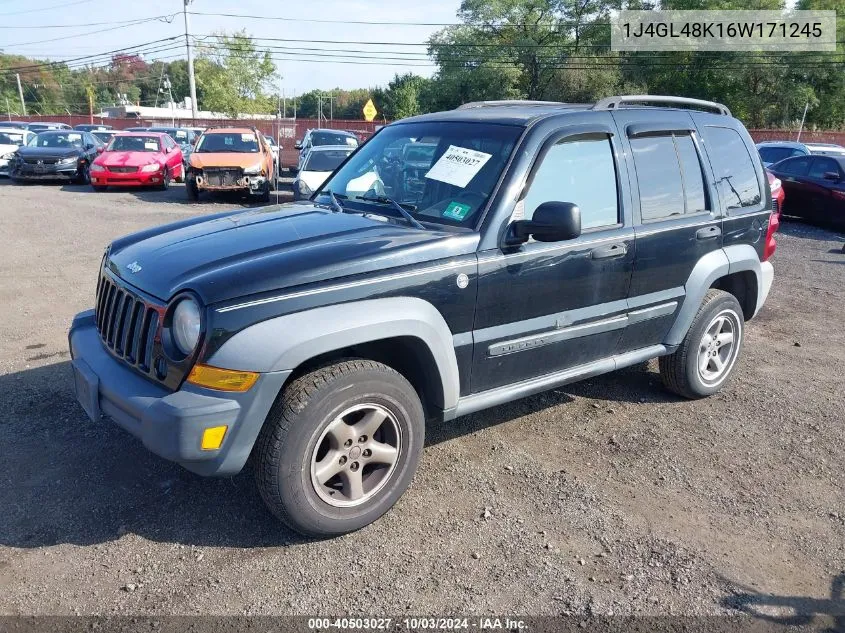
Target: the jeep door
(544, 307)
(675, 218)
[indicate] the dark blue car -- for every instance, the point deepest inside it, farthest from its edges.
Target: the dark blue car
(815, 188)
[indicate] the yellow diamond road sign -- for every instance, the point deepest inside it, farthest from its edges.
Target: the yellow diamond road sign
(369, 110)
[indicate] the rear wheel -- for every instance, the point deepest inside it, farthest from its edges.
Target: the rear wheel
(265, 192)
(339, 447)
(705, 360)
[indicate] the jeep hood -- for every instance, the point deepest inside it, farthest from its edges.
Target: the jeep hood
(243, 253)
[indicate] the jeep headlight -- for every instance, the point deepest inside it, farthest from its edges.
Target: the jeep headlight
(186, 324)
(254, 170)
(151, 168)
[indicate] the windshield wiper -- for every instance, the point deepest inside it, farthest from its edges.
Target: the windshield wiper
(387, 200)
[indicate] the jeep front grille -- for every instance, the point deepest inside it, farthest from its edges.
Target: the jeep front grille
(224, 177)
(127, 323)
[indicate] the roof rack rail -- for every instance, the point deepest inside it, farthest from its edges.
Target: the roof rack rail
(611, 103)
(506, 102)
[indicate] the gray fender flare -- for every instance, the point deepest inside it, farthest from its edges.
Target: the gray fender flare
(285, 342)
(708, 269)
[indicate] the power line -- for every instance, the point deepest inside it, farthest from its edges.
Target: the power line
(55, 6)
(76, 26)
(68, 37)
(117, 51)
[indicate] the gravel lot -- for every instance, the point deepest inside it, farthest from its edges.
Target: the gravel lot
(604, 496)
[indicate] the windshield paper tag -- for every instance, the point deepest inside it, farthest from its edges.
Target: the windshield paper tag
(151, 146)
(247, 137)
(458, 166)
(456, 211)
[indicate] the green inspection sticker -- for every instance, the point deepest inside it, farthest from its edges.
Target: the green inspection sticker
(456, 211)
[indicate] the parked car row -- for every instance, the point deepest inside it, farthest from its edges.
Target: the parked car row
(812, 178)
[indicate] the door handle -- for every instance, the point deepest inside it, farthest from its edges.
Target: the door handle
(708, 232)
(605, 252)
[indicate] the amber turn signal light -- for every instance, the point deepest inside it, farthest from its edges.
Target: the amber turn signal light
(222, 379)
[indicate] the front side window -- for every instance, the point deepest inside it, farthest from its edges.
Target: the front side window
(794, 166)
(238, 142)
(579, 170)
(733, 167)
(821, 166)
(466, 163)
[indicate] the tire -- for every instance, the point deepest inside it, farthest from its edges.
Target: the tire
(165, 180)
(265, 193)
(99, 188)
(181, 177)
(702, 364)
(192, 190)
(315, 413)
(83, 175)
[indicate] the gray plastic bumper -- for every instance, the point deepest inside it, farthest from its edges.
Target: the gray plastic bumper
(170, 424)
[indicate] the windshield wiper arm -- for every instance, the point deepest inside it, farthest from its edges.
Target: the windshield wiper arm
(387, 200)
(335, 202)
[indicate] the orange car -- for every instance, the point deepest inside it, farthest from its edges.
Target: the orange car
(231, 159)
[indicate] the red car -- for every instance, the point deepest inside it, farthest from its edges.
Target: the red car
(137, 159)
(778, 193)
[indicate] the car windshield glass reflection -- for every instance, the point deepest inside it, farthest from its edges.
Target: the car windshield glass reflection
(57, 139)
(325, 161)
(10, 138)
(134, 144)
(244, 143)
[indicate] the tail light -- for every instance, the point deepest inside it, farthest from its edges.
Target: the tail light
(771, 244)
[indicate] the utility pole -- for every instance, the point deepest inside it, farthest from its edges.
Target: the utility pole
(191, 80)
(167, 86)
(8, 109)
(803, 118)
(20, 92)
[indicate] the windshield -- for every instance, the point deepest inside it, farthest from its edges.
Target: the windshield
(104, 136)
(134, 144)
(57, 139)
(327, 160)
(333, 138)
(450, 186)
(11, 138)
(180, 136)
(241, 142)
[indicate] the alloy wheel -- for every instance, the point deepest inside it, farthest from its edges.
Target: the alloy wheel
(718, 348)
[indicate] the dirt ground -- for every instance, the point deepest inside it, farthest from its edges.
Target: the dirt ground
(607, 496)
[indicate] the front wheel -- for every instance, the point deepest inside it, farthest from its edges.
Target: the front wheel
(339, 447)
(192, 190)
(707, 356)
(165, 180)
(83, 174)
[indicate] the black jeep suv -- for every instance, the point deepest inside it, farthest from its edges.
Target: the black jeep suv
(548, 243)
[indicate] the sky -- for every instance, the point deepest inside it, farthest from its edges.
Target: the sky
(25, 25)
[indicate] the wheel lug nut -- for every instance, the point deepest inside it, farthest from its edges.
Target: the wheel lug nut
(347, 443)
(343, 460)
(362, 439)
(354, 466)
(367, 452)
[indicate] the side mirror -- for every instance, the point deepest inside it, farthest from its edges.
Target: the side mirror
(101, 149)
(831, 175)
(552, 222)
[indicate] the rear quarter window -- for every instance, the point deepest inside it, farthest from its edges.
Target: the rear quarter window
(733, 167)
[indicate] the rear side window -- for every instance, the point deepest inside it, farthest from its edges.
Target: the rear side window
(578, 169)
(794, 166)
(821, 166)
(736, 177)
(669, 176)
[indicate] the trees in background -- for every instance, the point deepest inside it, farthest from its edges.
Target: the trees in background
(555, 50)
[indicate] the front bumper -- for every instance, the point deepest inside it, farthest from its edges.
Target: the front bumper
(4, 166)
(252, 184)
(44, 172)
(170, 424)
(132, 179)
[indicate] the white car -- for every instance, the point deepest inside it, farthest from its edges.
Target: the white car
(11, 138)
(322, 138)
(318, 165)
